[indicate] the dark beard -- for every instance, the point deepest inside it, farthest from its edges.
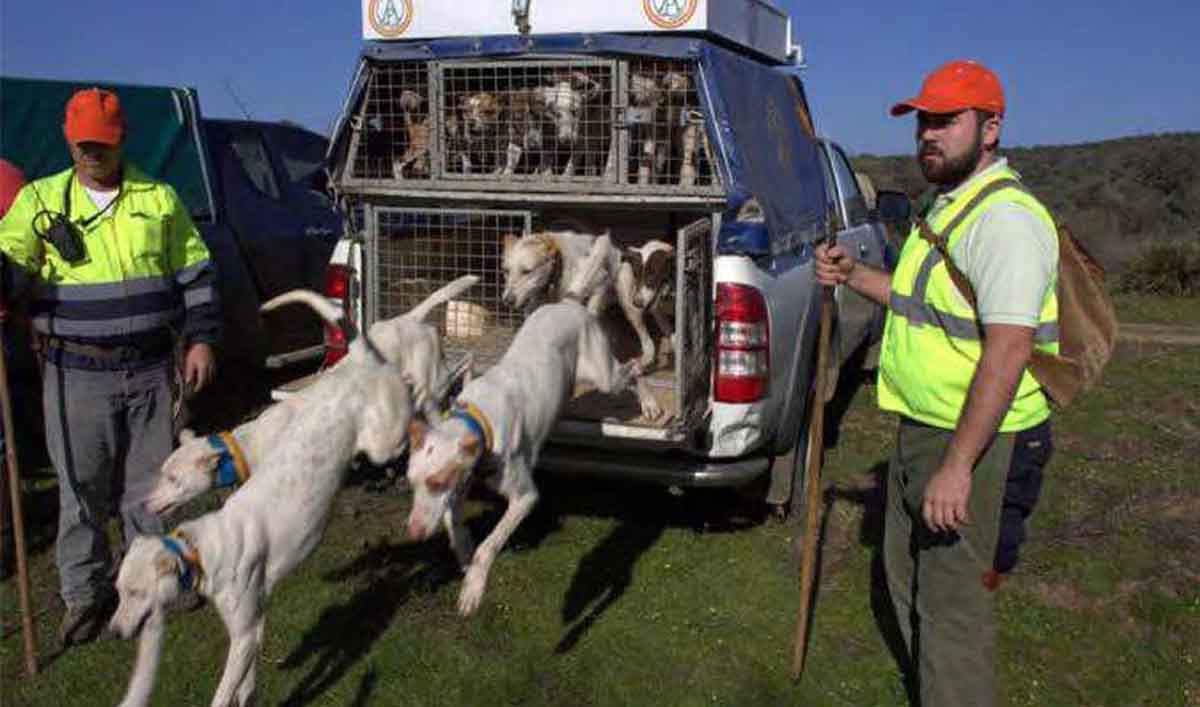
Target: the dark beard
(953, 172)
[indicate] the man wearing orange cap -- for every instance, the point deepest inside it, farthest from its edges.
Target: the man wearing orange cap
(119, 272)
(953, 366)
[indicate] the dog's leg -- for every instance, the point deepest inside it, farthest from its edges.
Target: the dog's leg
(481, 563)
(637, 319)
(666, 327)
(242, 616)
(245, 692)
(149, 653)
(460, 536)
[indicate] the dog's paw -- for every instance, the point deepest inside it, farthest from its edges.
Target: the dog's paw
(471, 594)
(651, 410)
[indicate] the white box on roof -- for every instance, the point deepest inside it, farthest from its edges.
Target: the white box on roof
(755, 24)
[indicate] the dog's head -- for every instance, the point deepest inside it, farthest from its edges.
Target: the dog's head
(187, 473)
(441, 456)
(147, 581)
(564, 99)
(481, 114)
(653, 273)
(530, 266)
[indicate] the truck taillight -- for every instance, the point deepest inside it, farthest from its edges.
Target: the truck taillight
(743, 365)
(337, 287)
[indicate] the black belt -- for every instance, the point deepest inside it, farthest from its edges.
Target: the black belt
(151, 347)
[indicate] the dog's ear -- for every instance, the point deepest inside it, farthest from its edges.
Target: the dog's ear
(165, 565)
(509, 241)
(416, 434)
(186, 435)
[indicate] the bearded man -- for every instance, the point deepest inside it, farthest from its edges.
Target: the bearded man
(972, 420)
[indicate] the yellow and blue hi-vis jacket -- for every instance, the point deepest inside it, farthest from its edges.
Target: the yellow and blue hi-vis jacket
(146, 277)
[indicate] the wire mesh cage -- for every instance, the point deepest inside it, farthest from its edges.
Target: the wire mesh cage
(585, 125)
(668, 144)
(394, 126)
(417, 251)
(520, 120)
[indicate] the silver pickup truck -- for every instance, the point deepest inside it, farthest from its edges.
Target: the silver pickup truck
(448, 146)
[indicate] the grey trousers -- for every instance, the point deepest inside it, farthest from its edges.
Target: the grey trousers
(107, 433)
(935, 579)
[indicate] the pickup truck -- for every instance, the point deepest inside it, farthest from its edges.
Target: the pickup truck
(448, 144)
(256, 191)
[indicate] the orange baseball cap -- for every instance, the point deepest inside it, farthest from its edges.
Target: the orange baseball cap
(94, 115)
(955, 87)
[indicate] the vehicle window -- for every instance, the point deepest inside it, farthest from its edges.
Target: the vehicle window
(831, 193)
(302, 154)
(856, 203)
(256, 165)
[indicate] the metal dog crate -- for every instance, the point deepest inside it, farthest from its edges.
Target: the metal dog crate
(413, 251)
(555, 125)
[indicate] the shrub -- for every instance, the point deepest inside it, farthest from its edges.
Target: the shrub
(1171, 268)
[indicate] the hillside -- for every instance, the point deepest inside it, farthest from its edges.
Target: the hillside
(1116, 195)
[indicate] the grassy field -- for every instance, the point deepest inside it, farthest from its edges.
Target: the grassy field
(617, 594)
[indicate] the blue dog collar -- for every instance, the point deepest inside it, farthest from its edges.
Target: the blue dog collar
(187, 576)
(228, 473)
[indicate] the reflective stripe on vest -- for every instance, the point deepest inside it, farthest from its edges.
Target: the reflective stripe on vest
(933, 339)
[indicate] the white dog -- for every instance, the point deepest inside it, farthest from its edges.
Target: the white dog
(646, 274)
(501, 418)
(235, 556)
(225, 459)
(537, 266)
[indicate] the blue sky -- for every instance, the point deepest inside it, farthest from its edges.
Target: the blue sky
(1074, 71)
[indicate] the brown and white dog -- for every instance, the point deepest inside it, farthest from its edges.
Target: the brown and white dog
(647, 272)
(414, 163)
(481, 114)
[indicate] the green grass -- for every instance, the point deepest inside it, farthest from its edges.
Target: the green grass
(1151, 309)
(617, 594)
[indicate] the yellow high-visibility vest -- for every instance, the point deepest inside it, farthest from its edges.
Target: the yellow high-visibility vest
(145, 261)
(932, 339)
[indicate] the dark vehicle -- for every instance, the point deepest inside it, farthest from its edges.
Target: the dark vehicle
(254, 189)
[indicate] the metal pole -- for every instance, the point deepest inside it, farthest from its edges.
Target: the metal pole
(812, 485)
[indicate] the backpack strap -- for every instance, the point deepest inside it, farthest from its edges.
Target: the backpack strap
(939, 240)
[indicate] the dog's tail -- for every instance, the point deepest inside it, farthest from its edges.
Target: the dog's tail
(328, 311)
(149, 654)
(441, 296)
(588, 278)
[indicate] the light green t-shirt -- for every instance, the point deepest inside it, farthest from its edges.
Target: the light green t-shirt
(1009, 256)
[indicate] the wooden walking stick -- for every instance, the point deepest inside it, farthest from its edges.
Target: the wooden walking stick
(14, 485)
(812, 484)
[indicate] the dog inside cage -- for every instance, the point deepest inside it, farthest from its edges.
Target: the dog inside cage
(394, 125)
(548, 119)
(634, 122)
(668, 143)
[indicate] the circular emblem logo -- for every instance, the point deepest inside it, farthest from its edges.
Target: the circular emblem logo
(390, 18)
(670, 14)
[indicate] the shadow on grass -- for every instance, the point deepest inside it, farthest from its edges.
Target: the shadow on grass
(874, 502)
(345, 632)
(643, 513)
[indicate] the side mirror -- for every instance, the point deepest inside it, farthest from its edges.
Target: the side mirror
(892, 206)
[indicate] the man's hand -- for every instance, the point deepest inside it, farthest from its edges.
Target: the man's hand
(199, 366)
(946, 495)
(834, 264)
